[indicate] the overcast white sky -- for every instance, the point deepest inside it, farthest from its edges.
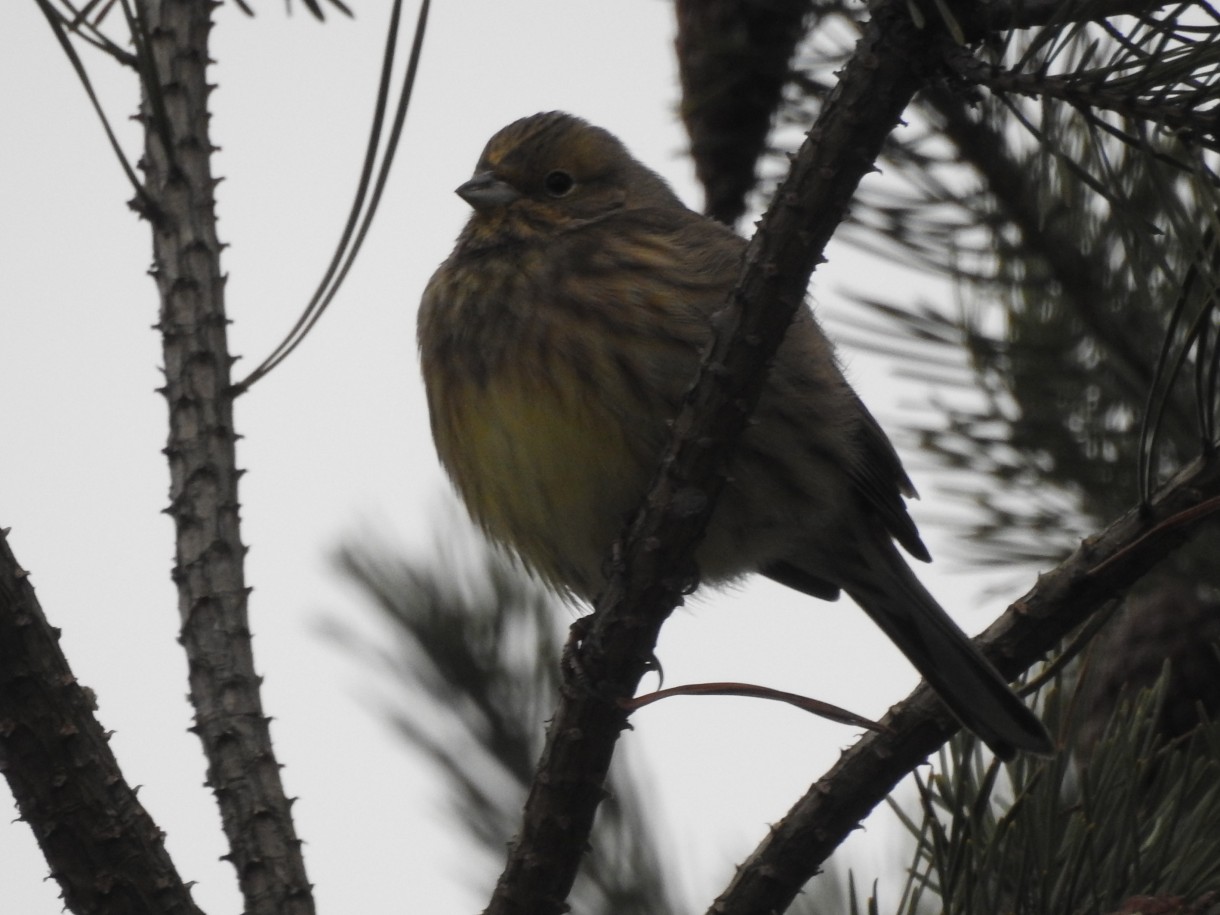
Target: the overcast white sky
(336, 441)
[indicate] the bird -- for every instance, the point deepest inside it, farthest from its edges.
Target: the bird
(556, 344)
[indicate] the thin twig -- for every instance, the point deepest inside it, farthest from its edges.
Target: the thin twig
(752, 691)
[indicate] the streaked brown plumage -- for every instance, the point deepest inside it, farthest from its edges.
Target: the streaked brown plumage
(557, 341)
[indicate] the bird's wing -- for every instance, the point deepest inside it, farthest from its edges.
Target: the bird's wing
(882, 481)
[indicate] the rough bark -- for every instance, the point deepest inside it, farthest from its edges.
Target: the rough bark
(208, 571)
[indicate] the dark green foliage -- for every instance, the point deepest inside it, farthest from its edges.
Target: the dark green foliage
(1141, 818)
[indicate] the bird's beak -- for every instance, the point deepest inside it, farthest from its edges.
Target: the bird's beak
(485, 191)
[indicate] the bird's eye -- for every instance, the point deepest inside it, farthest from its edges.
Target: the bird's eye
(558, 183)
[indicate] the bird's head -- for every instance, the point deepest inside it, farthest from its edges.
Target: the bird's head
(552, 172)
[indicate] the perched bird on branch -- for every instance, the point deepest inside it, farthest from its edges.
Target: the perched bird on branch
(557, 342)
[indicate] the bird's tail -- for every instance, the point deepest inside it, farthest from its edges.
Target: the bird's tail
(966, 681)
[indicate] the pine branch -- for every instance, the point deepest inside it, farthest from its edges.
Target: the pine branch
(172, 39)
(732, 64)
(1099, 572)
(103, 848)
(1130, 829)
(1191, 115)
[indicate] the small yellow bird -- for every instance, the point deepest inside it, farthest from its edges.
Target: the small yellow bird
(557, 342)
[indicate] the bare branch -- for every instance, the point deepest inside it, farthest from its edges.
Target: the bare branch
(212, 593)
(103, 848)
(877, 83)
(1099, 572)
